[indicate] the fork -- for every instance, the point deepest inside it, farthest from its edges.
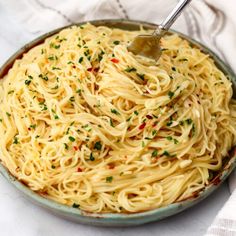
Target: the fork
(149, 45)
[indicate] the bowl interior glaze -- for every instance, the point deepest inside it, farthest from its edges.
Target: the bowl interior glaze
(115, 219)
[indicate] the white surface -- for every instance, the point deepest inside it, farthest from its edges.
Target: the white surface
(19, 217)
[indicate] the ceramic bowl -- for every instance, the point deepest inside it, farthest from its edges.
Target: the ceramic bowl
(115, 219)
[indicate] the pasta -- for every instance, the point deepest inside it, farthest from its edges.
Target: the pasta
(86, 123)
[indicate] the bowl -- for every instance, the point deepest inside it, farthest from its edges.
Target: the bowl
(124, 219)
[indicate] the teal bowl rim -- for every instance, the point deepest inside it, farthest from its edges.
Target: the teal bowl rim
(123, 219)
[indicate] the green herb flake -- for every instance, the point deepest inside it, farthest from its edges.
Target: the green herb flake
(175, 141)
(116, 42)
(10, 92)
(111, 123)
(130, 69)
(171, 94)
(129, 119)
(56, 68)
(66, 146)
(169, 123)
(16, 141)
(72, 99)
(72, 139)
(189, 121)
(8, 114)
(169, 138)
(136, 113)
(141, 76)
(173, 68)
(114, 111)
(80, 59)
(154, 153)
(98, 145)
(43, 77)
(27, 82)
(154, 132)
(166, 153)
(75, 205)
(91, 157)
(79, 91)
(148, 138)
(33, 126)
(109, 179)
(51, 58)
(53, 167)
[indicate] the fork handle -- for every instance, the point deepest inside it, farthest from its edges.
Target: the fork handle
(166, 24)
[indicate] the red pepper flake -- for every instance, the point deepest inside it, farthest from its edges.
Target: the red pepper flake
(114, 60)
(29, 129)
(149, 117)
(111, 166)
(96, 69)
(79, 169)
(76, 148)
(142, 126)
(90, 69)
(74, 66)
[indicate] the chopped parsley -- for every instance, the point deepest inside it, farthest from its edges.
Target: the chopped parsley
(166, 153)
(98, 145)
(154, 132)
(81, 59)
(75, 205)
(91, 157)
(27, 82)
(130, 69)
(56, 68)
(66, 146)
(8, 114)
(136, 113)
(43, 77)
(141, 76)
(116, 42)
(53, 167)
(171, 94)
(114, 111)
(10, 92)
(32, 126)
(16, 141)
(100, 55)
(72, 99)
(111, 123)
(51, 58)
(148, 138)
(109, 179)
(189, 121)
(79, 91)
(72, 139)
(169, 123)
(169, 138)
(154, 153)
(173, 68)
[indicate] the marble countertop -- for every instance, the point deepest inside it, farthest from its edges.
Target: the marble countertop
(19, 217)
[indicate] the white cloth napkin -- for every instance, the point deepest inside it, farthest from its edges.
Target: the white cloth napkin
(213, 22)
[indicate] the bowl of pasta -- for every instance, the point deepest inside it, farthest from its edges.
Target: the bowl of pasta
(104, 137)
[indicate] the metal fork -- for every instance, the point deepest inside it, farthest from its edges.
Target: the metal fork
(149, 45)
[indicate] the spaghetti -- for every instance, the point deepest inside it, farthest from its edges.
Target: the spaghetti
(88, 124)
